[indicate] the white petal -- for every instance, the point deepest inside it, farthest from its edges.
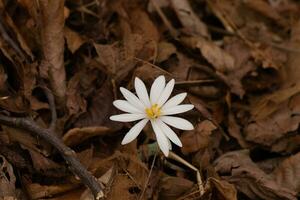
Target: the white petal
(134, 131)
(166, 93)
(126, 106)
(174, 101)
(162, 140)
(157, 88)
(177, 109)
(132, 99)
(170, 145)
(127, 117)
(177, 122)
(141, 91)
(169, 132)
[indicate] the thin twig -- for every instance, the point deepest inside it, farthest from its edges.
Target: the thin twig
(174, 33)
(155, 66)
(52, 107)
(194, 82)
(68, 154)
(198, 175)
(9, 40)
(148, 178)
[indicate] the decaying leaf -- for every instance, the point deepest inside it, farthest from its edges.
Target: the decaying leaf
(238, 61)
(219, 189)
(270, 129)
(7, 180)
(197, 139)
(189, 19)
(174, 187)
(217, 57)
(250, 179)
(74, 40)
(77, 135)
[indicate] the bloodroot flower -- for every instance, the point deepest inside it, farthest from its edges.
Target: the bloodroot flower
(155, 109)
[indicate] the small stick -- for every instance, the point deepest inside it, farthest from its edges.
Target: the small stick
(69, 155)
(52, 107)
(148, 178)
(198, 175)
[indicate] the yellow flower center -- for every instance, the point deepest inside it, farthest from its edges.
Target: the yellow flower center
(153, 112)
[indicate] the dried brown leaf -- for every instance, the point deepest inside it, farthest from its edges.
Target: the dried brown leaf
(287, 173)
(268, 130)
(100, 109)
(219, 190)
(197, 139)
(264, 8)
(164, 51)
(76, 136)
(240, 170)
(7, 179)
(173, 187)
(37, 191)
(74, 40)
(189, 20)
(42, 163)
(220, 59)
(234, 130)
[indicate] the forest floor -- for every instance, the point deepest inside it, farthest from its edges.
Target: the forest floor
(61, 67)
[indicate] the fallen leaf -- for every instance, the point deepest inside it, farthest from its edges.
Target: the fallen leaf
(189, 19)
(7, 180)
(37, 191)
(173, 187)
(100, 109)
(197, 139)
(164, 51)
(266, 10)
(237, 168)
(235, 131)
(287, 173)
(74, 40)
(219, 190)
(269, 130)
(76, 136)
(217, 57)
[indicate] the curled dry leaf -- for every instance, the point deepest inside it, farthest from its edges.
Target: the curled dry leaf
(237, 168)
(76, 136)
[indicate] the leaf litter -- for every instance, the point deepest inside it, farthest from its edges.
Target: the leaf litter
(237, 60)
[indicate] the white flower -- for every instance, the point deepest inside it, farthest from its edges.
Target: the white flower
(155, 109)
